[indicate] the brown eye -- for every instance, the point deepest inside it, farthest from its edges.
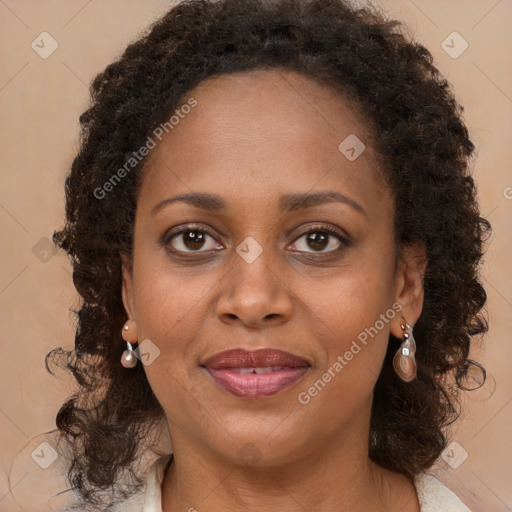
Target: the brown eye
(192, 239)
(317, 241)
(320, 239)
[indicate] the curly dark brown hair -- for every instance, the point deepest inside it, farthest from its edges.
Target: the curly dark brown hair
(416, 129)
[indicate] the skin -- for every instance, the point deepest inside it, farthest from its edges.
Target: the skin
(251, 138)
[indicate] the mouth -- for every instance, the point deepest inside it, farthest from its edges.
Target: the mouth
(255, 374)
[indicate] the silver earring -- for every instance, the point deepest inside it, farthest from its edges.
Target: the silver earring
(404, 361)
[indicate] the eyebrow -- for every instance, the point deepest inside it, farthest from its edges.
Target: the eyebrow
(287, 202)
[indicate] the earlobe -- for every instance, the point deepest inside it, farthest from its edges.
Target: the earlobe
(127, 286)
(410, 291)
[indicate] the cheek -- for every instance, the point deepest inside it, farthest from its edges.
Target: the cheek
(352, 299)
(350, 316)
(168, 300)
(352, 331)
(170, 309)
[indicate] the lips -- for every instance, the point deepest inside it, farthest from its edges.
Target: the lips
(263, 358)
(255, 374)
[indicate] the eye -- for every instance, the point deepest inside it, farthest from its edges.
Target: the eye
(196, 239)
(320, 239)
(191, 239)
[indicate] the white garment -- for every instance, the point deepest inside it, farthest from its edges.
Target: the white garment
(433, 496)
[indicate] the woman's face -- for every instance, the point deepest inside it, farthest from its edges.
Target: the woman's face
(288, 246)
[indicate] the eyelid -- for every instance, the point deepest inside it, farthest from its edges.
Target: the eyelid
(325, 228)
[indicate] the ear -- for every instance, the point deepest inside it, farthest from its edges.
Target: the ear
(409, 286)
(127, 286)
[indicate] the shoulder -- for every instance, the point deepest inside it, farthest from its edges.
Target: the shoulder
(434, 496)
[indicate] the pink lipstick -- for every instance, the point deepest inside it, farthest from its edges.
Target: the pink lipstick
(255, 374)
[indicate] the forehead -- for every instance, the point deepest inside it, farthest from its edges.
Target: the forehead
(266, 127)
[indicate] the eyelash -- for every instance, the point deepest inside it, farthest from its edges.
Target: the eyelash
(323, 229)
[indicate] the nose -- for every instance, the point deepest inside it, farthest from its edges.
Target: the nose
(254, 295)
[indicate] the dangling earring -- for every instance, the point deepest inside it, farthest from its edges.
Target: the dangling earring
(128, 359)
(404, 361)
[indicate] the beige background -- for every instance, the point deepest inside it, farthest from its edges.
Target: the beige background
(40, 101)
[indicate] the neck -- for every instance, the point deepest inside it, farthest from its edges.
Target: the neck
(335, 477)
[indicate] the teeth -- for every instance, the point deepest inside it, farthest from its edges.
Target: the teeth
(266, 369)
(245, 370)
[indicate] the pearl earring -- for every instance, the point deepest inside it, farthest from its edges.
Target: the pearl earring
(128, 359)
(404, 361)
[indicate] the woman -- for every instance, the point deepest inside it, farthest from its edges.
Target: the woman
(276, 238)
